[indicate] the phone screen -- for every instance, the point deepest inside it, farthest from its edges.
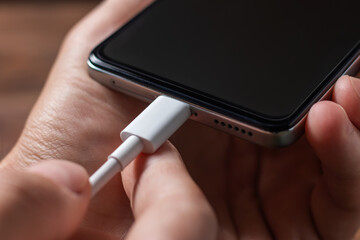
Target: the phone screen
(262, 57)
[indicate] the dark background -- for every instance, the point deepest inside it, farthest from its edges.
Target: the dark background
(30, 35)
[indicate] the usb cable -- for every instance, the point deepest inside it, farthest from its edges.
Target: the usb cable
(146, 133)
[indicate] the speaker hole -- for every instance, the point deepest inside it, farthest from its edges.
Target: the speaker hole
(223, 124)
(229, 126)
(236, 129)
(195, 114)
(216, 121)
(250, 134)
(243, 131)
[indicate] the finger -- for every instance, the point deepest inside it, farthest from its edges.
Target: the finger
(166, 203)
(46, 201)
(347, 94)
(336, 198)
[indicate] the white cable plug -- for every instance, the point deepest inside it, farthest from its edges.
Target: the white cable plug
(146, 133)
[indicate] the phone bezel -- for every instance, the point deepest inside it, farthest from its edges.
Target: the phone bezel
(215, 104)
(207, 116)
(98, 62)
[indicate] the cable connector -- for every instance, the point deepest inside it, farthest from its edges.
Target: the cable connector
(146, 133)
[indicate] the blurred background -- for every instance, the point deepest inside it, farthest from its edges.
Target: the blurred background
(31, 33)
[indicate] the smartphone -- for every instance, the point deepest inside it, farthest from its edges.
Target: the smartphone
(250, 68)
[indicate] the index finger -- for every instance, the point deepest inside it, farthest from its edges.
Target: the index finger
(166, 202)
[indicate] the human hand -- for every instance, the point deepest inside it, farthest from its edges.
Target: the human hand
(49, 200)
(45, 201)
(255, 192)
(78, 119)
(306, 191)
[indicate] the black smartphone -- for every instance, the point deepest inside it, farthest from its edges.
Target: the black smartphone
(250, 68)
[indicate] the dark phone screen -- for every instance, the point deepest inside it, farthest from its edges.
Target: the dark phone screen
(265, 57)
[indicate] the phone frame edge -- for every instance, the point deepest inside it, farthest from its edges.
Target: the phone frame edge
(200, 114)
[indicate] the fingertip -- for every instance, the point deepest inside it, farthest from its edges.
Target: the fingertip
(341, 88)
(66, 193)
(347, 94)
(46, 201)
(167, 152)
(155, 177)
(334, 139)
(327, 124)
(355, 82)
(150, 168)
(166, 155)
(64, 173)
(163, 195)
(332, 135)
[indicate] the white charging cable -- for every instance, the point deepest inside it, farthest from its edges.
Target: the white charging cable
(146, 133)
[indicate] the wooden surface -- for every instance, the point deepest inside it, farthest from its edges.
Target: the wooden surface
(30, 36)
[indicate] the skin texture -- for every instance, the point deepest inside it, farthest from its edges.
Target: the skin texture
(240, 191)
(46, 201)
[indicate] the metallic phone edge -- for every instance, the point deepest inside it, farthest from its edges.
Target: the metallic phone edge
(209, 117)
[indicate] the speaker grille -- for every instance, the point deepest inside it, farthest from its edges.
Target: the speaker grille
(232, 127)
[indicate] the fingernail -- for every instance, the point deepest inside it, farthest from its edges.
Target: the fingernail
(355, 82)
(67, 174)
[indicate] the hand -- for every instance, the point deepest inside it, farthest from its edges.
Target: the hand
(255, 192)
(46, 201)
(77, 119)
(306, 191)
(49, 200)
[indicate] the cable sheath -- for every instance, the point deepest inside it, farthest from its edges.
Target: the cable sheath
(116, 162)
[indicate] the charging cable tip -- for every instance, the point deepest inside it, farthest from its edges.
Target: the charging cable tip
(146, 133)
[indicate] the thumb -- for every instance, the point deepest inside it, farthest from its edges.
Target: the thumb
(166, 202)
(46, 201)
(336, 198)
